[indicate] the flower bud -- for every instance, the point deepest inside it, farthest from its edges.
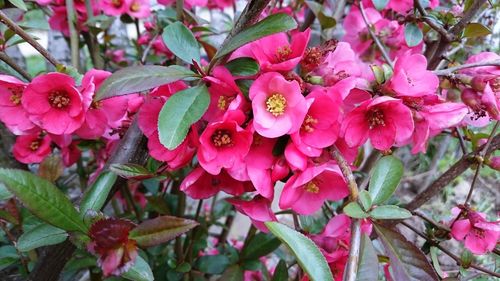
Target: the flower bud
(471, 99)
(494, 163)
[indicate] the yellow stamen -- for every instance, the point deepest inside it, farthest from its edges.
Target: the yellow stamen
(276, 104)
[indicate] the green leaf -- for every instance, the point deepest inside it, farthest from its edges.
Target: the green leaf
(140, 78)
(260, 245)
(243, 67)
(232, 273)
(378, 72)
(8, 256)
(95, 196)
(215, 264)
(435, 261)
(20, 4)
(178, 114)
(385, 178)
(41, 235)
(43, 199)
(270, 25)
(181, 41)
(324, 20)
(140, 271)
(389, 212)
(160, 230)
(380, 4)
(131, 171)
(368, 261)
(413, 35)
(4, 192)
(407, 261)
(354, 210)
(308, 255)
(281, 272)
(365, 199)
(474, 29)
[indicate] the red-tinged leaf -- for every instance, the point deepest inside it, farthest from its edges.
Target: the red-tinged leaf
(160, 230)
(407, 261)
(131, 171)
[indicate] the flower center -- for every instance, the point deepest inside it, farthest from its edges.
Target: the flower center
(283, 53)
(117, 3)
(312, 187)
(276, 104)
(17, 92)
(308, 124)
(135, 7)
(35, 145)
(222, 138)
(375, 118)
(479, 233)
(59, 99)
(223, 102)
(96, 104)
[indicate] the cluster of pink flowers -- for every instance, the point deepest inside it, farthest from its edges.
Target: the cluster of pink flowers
(52, 111)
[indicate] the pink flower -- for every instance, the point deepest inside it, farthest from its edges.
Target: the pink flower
(306, 191)
(340, 64)
(258, 210)
(12, 113)
(484, 105)
(110, 242)
(114, 7)
(104, 114)
(32, 148)
(176, 158)
(201, 185)
(356, 30)
(321, 125)
(53, 103)
(278, 105)
(411, 77)
(480, 235)
(384, 120)
(59, 20)
(138, 8)
(223, 91)
(482, 70)
(275, 52)
(222, 144)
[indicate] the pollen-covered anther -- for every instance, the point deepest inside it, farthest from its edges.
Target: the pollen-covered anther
(15, 98)
(35, 145)
(283, 53)
(222, 103)
(311, 187)
(375, 118)
(276, 104)
(59, 99)
(222, 138)
(308, 124)
(135, 7)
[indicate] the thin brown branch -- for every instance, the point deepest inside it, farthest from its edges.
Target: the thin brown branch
(450, 70)
(481, 154)
(438, 28)
(19, 31)
(8, 60)
(454, 171)
(457, 259)
(374, 36)
(353, 261)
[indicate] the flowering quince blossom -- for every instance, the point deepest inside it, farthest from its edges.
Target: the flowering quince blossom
(12, 113)
(55, 104)
(384, 120)
(222, 144)
(481, 236)
(32, 148)
(278, 105)
(275, 52)
(201, 185)
(306, 191)
(110, 242)
(411, 77)
(258, 210)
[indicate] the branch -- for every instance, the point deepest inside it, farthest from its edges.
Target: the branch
(8, 60)
(454, 171)
(450, 70)
(352, 264)
(19, 31)
(457, 259)
(374, 36)
(443, 32)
